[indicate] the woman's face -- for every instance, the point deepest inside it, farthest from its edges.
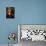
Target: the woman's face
(9, 12)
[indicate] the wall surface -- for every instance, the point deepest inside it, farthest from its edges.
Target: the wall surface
(26, 12)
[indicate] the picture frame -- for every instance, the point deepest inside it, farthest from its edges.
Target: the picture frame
(10, 12)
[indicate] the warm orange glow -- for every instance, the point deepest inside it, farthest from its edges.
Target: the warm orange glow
(9, 12)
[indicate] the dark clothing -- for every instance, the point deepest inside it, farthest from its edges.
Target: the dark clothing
(9, 16)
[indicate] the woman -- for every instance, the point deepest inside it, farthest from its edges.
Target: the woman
(10, 12)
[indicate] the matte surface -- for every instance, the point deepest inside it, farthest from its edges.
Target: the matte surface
(26, 12)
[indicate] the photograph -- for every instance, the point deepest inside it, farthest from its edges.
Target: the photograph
(10, 12)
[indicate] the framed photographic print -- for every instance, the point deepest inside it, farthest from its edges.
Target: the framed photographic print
(10, 12)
